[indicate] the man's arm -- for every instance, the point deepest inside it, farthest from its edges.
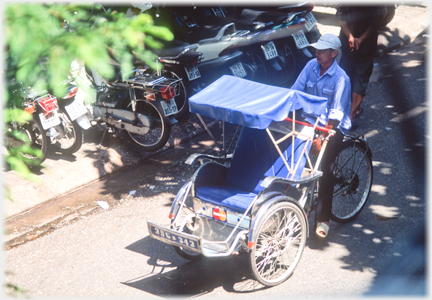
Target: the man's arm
(318, 142)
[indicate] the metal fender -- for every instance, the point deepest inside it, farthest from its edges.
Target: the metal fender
(83, 122)
(364, 145)
(180, 199)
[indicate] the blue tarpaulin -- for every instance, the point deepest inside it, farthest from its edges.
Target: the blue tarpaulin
(252, 104)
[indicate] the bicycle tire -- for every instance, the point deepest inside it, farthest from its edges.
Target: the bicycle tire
(279, 243)
(353, 173)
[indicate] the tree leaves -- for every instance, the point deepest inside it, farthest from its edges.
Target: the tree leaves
(42, 40)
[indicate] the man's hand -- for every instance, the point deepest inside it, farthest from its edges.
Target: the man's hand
(352, 42)
(316, 146)
(317, 143)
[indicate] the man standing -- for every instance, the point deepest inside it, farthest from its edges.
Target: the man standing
(323, 77)
(359, 37)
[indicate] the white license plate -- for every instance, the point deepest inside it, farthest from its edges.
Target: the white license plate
(300, 39)
(269, 50)
(169, 107)
(311, 21)
(174, 238)
(192, 73)
(76, 109)
(238, 70)
(50, 120)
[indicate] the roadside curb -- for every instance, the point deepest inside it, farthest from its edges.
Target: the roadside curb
(64, 174)
(59, 210)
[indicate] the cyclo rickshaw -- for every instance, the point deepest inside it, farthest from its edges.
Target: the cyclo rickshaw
(258, 202)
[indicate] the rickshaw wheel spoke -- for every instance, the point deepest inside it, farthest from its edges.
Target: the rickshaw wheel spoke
(279, 243)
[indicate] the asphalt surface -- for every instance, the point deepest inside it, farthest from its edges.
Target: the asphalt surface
(61, 175)
(87, 251)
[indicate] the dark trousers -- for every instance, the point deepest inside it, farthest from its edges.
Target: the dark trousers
(326, 182)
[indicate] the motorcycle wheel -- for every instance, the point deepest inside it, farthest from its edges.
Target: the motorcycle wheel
(286, 65)
(158, 129)
(255, 67)
(37, 139)
(182, 99)
(72, 135)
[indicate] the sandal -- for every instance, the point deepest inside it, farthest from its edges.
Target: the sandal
(322, 229)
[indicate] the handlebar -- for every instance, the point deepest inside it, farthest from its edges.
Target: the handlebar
(310, 125)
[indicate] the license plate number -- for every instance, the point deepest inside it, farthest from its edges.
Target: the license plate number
(238, 70)
(76, 109)
(310, 21)
(300, 39)
(169, 107)
(192, 73)
(269, 50)
(173, 238)
(50, 120)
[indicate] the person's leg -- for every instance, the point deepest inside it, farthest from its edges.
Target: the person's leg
(363, 68)
(356, 100)
(326, 182)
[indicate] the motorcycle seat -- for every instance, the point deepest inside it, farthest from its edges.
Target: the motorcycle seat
(173, 48)
(264, 16)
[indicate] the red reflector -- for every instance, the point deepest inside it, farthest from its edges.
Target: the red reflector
(72, 93)
(150, 96)
(48, 104)
(29, 109)
(167, 92)
(251, 244)
(171, 216)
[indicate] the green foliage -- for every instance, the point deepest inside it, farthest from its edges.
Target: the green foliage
(35, 31)
(39, 50)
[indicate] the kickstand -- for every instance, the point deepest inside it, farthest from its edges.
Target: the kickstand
(104, 134)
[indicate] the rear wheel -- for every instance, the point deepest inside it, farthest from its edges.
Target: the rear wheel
(254, 66)
(186, 222)
(284, 67)
(157, 130)
(31, 134)
(72, 135)
(353, 181)
(279, 243)
(181, 99)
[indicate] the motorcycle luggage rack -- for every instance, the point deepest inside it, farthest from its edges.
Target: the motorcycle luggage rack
(154, 83)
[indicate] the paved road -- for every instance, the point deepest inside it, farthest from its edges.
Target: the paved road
(108, 253)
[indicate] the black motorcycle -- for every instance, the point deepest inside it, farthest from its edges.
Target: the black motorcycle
(32, 139)
(138, 103)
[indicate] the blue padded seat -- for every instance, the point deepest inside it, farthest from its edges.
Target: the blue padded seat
(255, 158)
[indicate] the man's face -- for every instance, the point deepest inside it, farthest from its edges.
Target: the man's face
(325, 56)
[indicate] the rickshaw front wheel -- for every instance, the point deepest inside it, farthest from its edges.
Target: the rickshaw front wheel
(279, 243)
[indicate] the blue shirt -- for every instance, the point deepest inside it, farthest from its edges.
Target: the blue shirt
(334, 85)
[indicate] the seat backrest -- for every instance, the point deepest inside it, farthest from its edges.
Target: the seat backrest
(255, 157)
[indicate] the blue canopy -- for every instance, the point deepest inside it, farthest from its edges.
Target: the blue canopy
(252, 104)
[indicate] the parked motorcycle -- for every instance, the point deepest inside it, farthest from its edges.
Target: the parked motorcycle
(38, 133)
(212, 41)
(139, 103)
(285, 56)
(72, 122)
